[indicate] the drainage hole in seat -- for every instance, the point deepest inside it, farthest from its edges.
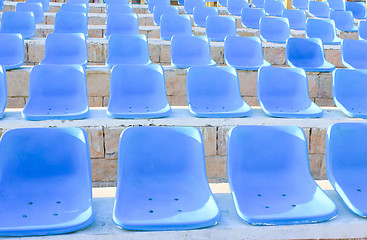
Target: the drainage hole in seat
(30, 203)
(151, 211)
(259, 195)
(267, 207)
(293, 205)
(58, 202)
(55, 214)
(283, 195)
(176, 199)
(24, 216)
(352, 108)
(49, 109)
(179, 210)
(150, 199)
(359, 190)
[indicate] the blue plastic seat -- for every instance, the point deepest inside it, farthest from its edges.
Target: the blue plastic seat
(81, 7)
(15, 57)
(1, 5)
(138, 91)
(354, 53)
(219, 27)
(3, 91)
(119, 8)
(181, 2)
(323, 29)
(300, 4)
(283, 92)
(274, 7)
(358, 9)
(214, 92)
(122, 24)
(18, 22)
(336, 5)
(160, 10)
(250, 17)
(190, 51)
(234, 7)
(344, 21)
(86, 2)
(117, 2)
(189, 5)
(362, 30)
(153, 3)
(318, 9)
(274, 29)
(71, 22)
(201, 13)
(244, 53)
(46, 181)
(258, 3)
(175, 25)
(270, 179)
(307, 53)
(223, 3)
(57, 92)
(45, 4)
(297, 18)
(35, 8)
(162, 183)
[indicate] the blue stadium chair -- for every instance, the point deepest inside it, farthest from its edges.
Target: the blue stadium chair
(191, 4)
(323, 29)
(234, 7)
(74, 8)
(344, 21)
(128, 49)
(14, 58)
(219, 27)
(307, 53)
(283, 92)
(274, 29)
(153, 3)
(336, 5)
(65, 49)
(122, 24)
(57, 92)
(119, 8)
(270, 179)
(123, 2)
(346, 164)
(163, 171)
(86, 2)
(354, 53)
(159, 10)
(201, 13)
(46, 181)
(274, 7)
(18, 22)
(138, 91)
(258, 3)
(223, 3)
(3, 91)
(175, 25)
(318, 9)
(1, 5)
(250, 17)
(297, 18)
(45, 4)
(244, 53)
(362, 30)
(214, 92)
(35, 8)
(71, 22)
(300, 4)
(358, 9)
(190, 51)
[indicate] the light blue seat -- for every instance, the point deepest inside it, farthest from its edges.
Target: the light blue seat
(270, 179)
(119, 8)
(159, 10)
(214, 92)
(71, 22)
(190, 51)
(81, 7)
(323, 29)
(258, 3)
(219, 27)
(318, 9)
(336, 5)
(283, 92)
(362, 30)
(307, 53)
(138, 91)
(45, 4)
(274, 7)
(153, 3)
(201, 13)
(358, 9)
(124, 2)
(14, 58)
(46, 181)
(234, 7)
(344, 21)
(175, 25)
(244, 53)
(354, 53)
(189, 5)
(300, 4)
(274, 29)
(18, 22)
(223, 3)
(3, 91)
(250, 17)
(86, 2)
(35, 8)
(122, 24)
(163, 171)
(57, 92)
(297, 18)
(129, 49)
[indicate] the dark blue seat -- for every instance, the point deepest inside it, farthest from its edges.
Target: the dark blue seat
(234, 7)
(153, 3)
(323, 29)
(3, 91)
(344, 21)
(250, 17)
(297, 18)
(318, 9)
(119, 8)
(201, 13)
(189, 5)
(18, 22)
(219, 27)
(354, 53)
(163, 171)
(336, 5)
(258, 3)
(35, 8)
(46, 181)
(357, 8)
(274, 7)
(160, 10)
(274, 29)
(175, 25)
(362, 30)
(122, 24)
(15, 57)
(300, 4)
(45, 4)
(270, 179)
(71, 22)
(86, 2)
(81, 7)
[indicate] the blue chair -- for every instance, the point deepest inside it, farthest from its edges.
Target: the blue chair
(190, 51)
(223, 3)
(270, 179)
(153, 3)
(358, 9)
(201, 13)
(138, 91)
(181, 2)
(307, 53)
(214, 92)
(336, 5)
(35, 8)
(274, 7)
(1, 5)
(362, 30)
(71, 22)
(244, 53)
(346, 164)
(14, 58)
(3, 91)
(219, 27)
(189, 5)
(250, 17)
(323, 29)
(47, 181)
(318, 9)
(86, 2)
(274, 29)
(175, 25)
(353, 53)
(57, 92)
(119, 8)
(65, 49)
(18, 22)
(297, 18)
(160, 10)
(122, 24)
(283, 92)
(74, 8)
(344, 21)
(163, 171)
(234, 7)
(124, 2)
(258, 3)
(300, 4)
(45, 4)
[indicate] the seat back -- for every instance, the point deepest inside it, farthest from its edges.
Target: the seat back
(189, 5)
(234, 7)
(258, 3)
(80, 7)
(159, 10)
(119, 8)
(122, 24)
(357, 8)
(71, 22)
(219, 27)
(362, 30)
(321, 28)
(343, 20)
(18, 22)
(117, 2)
(3, 91)
(250, 17)
(153, 3)
(86, 2)
(353, 53)
(300, 4)
(274, 7)
(45, 4)
(297, 18)
(318, 9)
(305, 52)
(337, 5)
(12, 51)
(223, 3)
(35, 8)
(175, 25)
(274, 29)
(201, 13)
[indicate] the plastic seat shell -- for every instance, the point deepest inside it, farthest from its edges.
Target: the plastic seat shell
(323, 29)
